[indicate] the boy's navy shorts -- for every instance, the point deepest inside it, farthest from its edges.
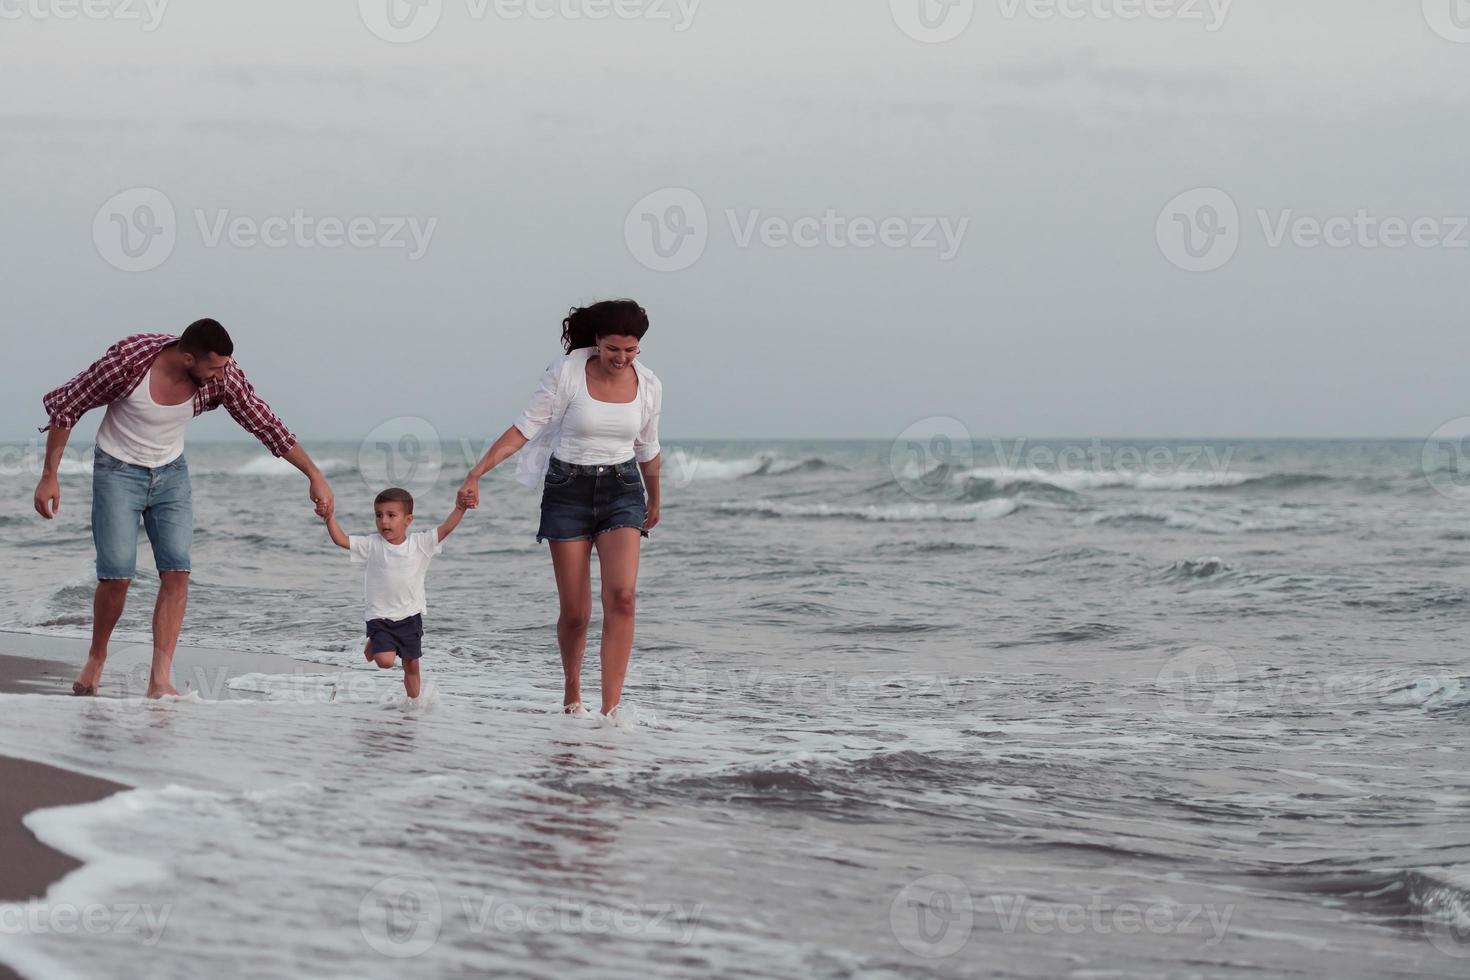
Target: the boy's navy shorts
(403, 636)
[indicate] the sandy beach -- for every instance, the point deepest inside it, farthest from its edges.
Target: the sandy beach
(30, 866)
(46, 665)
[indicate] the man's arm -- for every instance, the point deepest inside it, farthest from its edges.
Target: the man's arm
(334, 530)
(48, 490)
(452, 521)
(319, 489)
(101, 382)
(256, 417)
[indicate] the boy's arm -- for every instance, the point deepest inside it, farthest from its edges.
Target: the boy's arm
(335, 530)
(452, 521)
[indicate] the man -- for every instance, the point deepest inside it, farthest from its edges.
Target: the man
(152, 385)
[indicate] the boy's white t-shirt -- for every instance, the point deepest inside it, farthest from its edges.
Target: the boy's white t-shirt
(393, 585)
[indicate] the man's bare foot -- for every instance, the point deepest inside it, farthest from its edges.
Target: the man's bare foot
(90, 676)
(166, 690)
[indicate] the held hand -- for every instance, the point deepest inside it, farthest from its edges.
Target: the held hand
(651, 518)
(321, 495)
(48, 497)
(469, 493)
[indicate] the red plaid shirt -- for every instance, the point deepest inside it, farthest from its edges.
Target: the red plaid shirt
(116, 373)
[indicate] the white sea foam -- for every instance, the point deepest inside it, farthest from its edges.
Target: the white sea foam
(984, 510)
(1079, 480)
(278, 466)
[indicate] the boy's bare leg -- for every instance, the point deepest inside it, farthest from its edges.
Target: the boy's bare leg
(411, 677)
(168, 619)
(107, 609)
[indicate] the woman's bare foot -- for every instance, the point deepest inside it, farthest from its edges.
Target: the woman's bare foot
(163, 691)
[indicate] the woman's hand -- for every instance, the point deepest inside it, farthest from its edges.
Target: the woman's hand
(469, 493)
(651, 518)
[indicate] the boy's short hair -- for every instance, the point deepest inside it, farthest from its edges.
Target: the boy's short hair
(395, 495)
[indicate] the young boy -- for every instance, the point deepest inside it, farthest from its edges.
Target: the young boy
(397, 563)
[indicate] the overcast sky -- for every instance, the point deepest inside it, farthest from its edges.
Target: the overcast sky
(987, 201)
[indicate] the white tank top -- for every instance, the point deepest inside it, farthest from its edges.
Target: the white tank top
(138, 430)
(595, 433)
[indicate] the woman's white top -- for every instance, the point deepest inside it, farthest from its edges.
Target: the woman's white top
(596, 433)
(138, 430)
(557, 422)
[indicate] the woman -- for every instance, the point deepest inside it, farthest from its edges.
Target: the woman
(590, 427)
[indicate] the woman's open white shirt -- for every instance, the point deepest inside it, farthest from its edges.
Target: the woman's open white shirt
(541, 422)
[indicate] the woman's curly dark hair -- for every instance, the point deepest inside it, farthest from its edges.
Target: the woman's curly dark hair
(586, 325)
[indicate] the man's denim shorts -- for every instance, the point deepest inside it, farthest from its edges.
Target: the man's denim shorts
(161, 497)
(580, 502)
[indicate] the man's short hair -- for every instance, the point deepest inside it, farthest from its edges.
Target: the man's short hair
(205, 337)
(395, 495)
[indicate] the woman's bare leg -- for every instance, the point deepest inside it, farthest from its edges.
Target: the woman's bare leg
(572, 562)
(617, 553)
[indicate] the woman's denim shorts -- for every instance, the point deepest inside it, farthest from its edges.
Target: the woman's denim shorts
(580, 502)
(122, 496)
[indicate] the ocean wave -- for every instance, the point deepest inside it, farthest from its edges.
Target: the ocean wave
(1006, 479)
(763, 464)
(1412, 600)
(776, 467)
(273, 466)
(1074, 481)
(1193, 569)
(1418, 898)
(1184, 520)
(987, 510)
(1430, 692)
